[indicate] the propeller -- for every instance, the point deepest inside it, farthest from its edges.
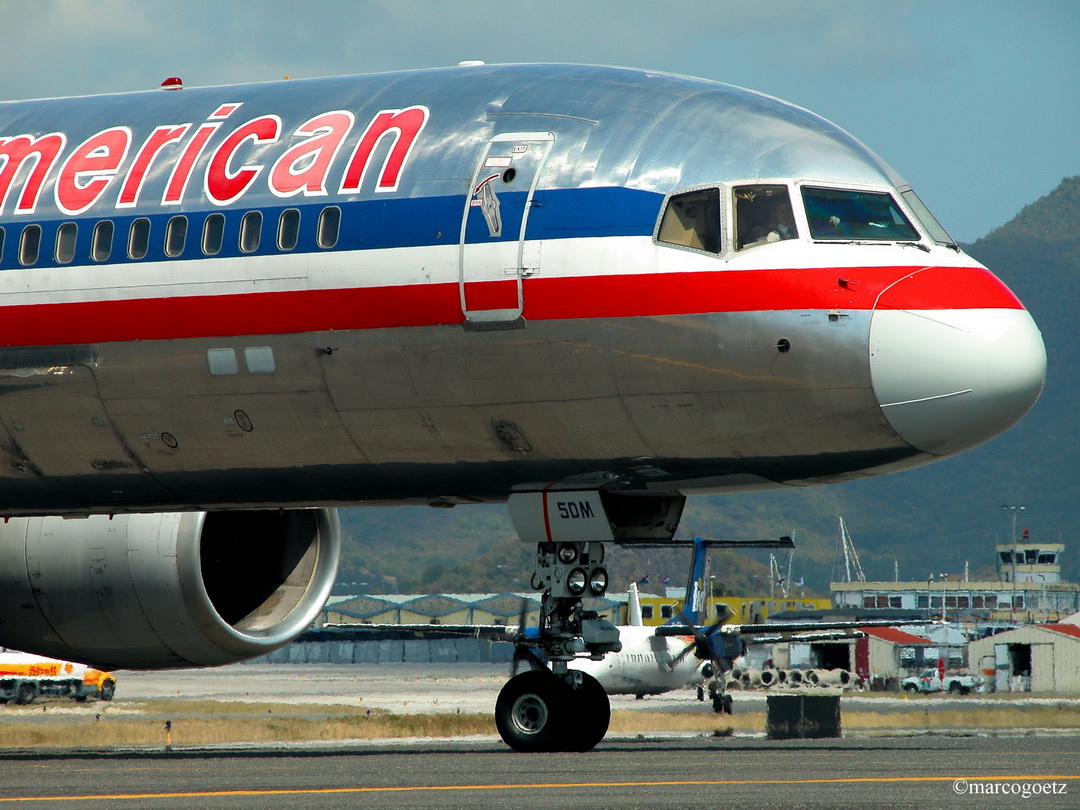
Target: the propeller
(703, 646)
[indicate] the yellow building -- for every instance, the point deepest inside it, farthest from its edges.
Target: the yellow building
(744, 609)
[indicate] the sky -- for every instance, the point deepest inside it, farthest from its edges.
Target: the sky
(976, 103)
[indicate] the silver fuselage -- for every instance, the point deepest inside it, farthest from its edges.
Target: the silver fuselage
(435, 354)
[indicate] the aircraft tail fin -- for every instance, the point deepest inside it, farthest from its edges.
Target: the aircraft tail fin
(694, 606)
(634, 607)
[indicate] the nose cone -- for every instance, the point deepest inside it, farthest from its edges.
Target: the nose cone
(950, 379)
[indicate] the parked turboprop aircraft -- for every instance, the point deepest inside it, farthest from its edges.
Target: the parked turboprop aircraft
(683, 651)
(585, 291)
(652, 659)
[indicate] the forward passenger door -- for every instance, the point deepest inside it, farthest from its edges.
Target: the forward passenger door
(494, 256)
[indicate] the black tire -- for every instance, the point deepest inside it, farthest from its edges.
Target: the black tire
(910, 687)
(25, 694)
(722, 704)
(531, 712)
(956, 688)
(589, 715)
(108, 689)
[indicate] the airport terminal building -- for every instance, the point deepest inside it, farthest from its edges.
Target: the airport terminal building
(1028, 589)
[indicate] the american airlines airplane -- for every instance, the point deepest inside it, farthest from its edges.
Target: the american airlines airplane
(589, 292)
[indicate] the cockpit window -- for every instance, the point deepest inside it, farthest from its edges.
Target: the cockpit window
(692, 220)
(836, 213)
(928, 220)
(762, 215)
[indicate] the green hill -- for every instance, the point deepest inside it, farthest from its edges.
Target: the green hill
(923, 521)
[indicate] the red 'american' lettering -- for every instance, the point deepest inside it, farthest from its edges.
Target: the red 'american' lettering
(232, 160)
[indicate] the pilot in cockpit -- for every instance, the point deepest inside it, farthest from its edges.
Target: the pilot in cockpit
(781, 222)
(763, 214)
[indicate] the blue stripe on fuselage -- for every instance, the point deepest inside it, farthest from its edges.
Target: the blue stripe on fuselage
(366, 225)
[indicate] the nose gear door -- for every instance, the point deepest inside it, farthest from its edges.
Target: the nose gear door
(493, 255)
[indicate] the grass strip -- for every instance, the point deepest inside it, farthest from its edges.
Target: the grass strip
(197, 723)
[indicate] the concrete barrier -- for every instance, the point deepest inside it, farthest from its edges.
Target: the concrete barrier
(802, 716)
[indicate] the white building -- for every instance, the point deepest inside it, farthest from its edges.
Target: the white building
(1029, 589)
(1033, 658)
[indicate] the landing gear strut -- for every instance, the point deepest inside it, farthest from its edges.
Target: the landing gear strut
(553, 707)
(560, 709)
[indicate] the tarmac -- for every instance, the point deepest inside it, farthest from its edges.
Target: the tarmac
(449, 688)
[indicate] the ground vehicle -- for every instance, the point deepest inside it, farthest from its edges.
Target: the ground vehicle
(25, 677)
(929, 681)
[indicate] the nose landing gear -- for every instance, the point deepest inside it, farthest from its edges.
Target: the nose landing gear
(551, 707)
(559, 709)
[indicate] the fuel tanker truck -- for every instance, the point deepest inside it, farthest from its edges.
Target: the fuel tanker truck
(25, 677)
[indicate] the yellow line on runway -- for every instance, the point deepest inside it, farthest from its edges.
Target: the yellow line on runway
(202, 794)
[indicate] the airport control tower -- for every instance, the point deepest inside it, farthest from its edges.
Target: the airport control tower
(1028, 561)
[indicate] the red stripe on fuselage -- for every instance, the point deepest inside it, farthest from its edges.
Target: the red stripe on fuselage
(545, 299)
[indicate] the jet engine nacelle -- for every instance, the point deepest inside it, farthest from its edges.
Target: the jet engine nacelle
(165, 590)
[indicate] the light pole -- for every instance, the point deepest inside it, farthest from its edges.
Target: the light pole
(943, 646)
(1015, 510)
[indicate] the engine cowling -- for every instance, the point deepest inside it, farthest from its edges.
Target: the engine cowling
(165, 590)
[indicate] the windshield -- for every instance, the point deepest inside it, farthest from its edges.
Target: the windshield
(928, 220)
(835, 213)
(692, 220)
(762, 215)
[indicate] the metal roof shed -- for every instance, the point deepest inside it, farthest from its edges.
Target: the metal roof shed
(1032, 658)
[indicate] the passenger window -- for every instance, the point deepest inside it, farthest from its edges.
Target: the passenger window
(329, 227)
(65, 242)
(30, 245)
(251, 231)
(260, 359)
(1, 244)
(222, 361)
(288, 229)
(139, 238)
(101, 244)
(213, 234)
(175, 236)
(692, 220)
(836, 213)
(763, 215)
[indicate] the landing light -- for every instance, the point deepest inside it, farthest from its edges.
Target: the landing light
(575, 581)
(567, 553)
(598, 582)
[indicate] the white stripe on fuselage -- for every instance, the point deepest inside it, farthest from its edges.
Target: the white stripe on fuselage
(387, 267)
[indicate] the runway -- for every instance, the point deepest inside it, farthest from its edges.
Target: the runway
(652, 770)
(680, 772)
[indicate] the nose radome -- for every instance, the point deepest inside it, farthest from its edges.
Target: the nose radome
(950, 379)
